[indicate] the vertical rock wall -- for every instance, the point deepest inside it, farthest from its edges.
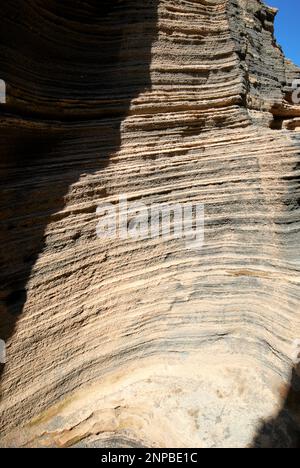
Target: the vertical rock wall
(148, 343)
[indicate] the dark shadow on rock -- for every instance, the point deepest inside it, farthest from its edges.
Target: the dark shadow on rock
(72, 69)
(283, 431)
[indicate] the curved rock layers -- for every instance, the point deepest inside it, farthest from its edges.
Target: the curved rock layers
(148, 342)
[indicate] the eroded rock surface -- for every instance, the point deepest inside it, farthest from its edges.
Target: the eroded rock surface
(148, 343)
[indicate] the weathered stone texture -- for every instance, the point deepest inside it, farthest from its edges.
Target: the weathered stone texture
(125, 343)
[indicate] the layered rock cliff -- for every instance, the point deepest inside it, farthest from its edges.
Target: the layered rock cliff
(148, 343)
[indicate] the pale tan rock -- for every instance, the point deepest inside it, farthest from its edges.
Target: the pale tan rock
(148, 343)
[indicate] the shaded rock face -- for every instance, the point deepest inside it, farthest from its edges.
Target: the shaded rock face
(148, 343)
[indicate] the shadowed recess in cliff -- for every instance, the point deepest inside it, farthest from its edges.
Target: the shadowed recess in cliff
(71, 76)
(283, 431)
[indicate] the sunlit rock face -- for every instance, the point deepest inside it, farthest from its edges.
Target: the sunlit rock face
(126, 342)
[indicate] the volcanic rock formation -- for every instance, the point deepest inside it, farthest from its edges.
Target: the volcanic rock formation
(114, 342)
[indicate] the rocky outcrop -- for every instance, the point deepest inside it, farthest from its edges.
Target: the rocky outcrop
(147, 342)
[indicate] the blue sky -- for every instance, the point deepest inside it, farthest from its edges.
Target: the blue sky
(287, 27)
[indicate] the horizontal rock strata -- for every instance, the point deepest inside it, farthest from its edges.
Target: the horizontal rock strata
(148, 343)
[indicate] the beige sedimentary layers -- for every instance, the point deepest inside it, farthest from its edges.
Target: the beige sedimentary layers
(149, 343)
